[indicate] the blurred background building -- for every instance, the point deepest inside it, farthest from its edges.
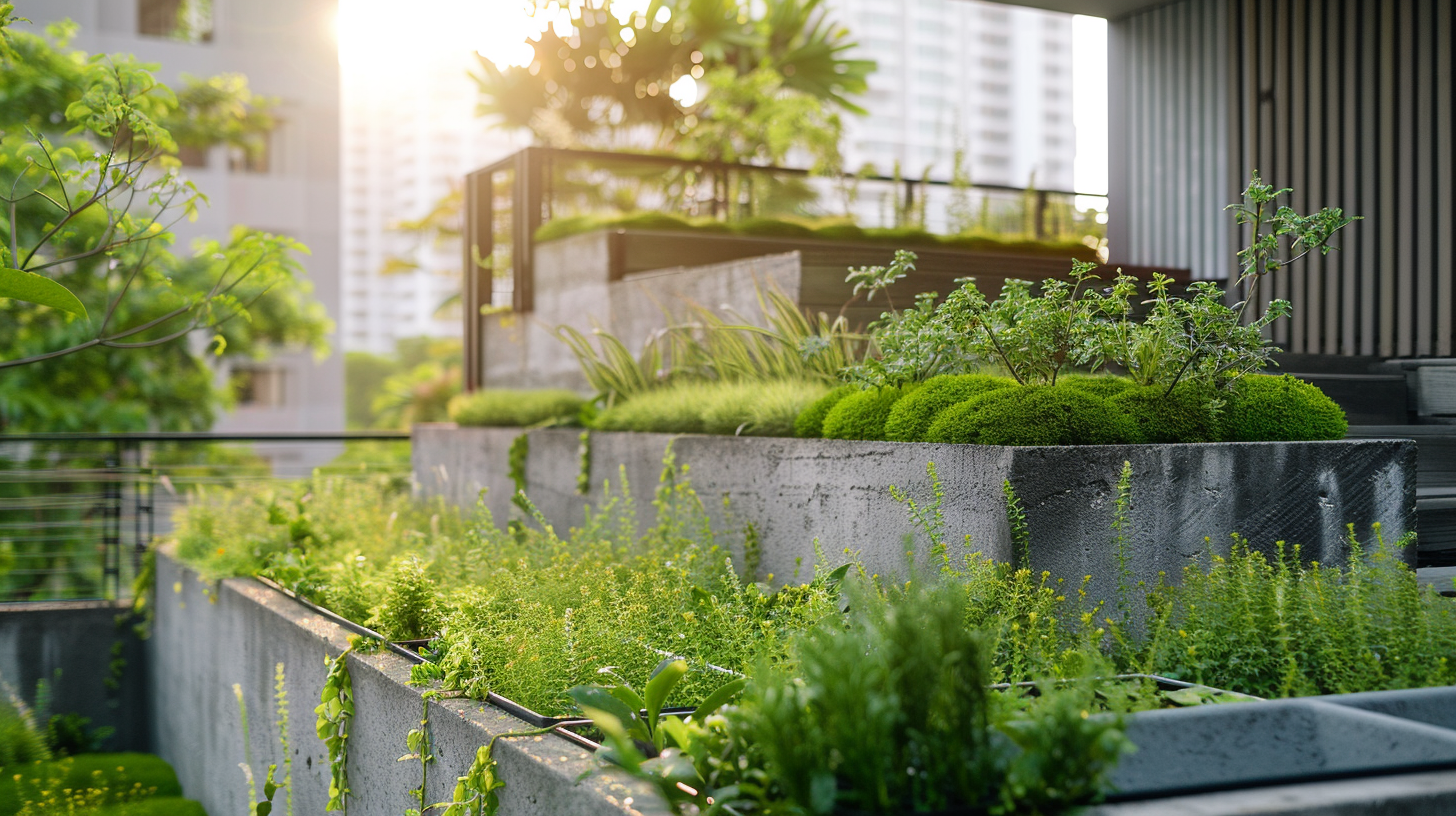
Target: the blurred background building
(287, 50)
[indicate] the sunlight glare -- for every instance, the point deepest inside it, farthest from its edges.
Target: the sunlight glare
(375, 34)
(684, 91)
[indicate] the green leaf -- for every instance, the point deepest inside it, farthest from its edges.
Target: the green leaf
(33, 288)
(264, 808)
(664, 678)
(718, 698)
(600, 699)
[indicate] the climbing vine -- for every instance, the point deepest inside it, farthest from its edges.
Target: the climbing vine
(476, 791)
(520, 448)
(417, 741)
(335, 716)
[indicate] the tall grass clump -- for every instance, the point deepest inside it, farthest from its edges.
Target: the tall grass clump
(505, 407)
(745, 408)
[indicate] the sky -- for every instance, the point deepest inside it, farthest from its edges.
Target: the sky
(375, 37)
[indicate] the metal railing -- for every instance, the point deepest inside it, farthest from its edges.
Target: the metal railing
(77, 511)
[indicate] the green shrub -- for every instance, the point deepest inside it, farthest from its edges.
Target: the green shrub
(112, 777)
(912, 416)
(1033, 415)
(1098, 385)
(1184, 415)
(743, 408)
(410, 610)
(504, 407)
(1264, 408)
(862, 415)
(810, 422)
(903, 687)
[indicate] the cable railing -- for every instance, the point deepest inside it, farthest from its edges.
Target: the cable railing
(77, 511)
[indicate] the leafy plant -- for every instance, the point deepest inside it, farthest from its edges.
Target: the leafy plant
(417, 742)
(410, 610)
(334, 718)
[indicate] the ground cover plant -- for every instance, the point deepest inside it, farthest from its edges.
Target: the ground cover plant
(534, 616)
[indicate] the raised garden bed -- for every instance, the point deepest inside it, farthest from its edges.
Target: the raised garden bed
(1186, 499)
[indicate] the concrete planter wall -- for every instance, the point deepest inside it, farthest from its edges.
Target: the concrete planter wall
(795, 491)
(209, 637)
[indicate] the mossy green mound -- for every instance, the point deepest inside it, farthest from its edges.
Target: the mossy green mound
(912, 416)
(505, 407)
(1184, 415)
(1033, 415)
(1098, 385)
(1264, 408)
(809, 424)
(862, 415)
(118, 778)
(743, 408)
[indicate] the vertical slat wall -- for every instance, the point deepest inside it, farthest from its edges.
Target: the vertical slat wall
(1170, 138)
(1350, 102)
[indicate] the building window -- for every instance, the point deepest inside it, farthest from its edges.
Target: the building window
(995, 64)
(260, 387)
(996, 113)
(185, 20)
(995, 39)
(258, 159)
(993, 161)
(995, 88)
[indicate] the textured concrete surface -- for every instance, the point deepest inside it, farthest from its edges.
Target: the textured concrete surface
(1248, 743)
(1432, 706)
(795, 491)
(70, 646)
(572, 289)
(209, 637)
(1423, 794)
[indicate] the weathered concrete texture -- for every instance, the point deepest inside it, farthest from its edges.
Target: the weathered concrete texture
(1423, 794)
(573, 289)
(71, 646)
(1243, 744)
(1432, 706)
(794, 491)
(209, 637)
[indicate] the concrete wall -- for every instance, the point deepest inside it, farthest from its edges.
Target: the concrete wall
(572, 289)
(795, 491)
(209, 637)
(80, 641)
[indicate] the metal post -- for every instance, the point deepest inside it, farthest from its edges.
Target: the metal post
(478, 232)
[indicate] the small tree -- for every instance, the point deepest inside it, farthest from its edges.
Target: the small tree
(90, 189)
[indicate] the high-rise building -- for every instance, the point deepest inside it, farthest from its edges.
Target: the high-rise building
(410, 134)
(287, 50)
(992, 80)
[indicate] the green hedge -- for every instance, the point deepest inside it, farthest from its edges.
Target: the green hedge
(1185, 415)
(505, 407)
(862, 415)
(912, 416)
(743, 408)
(809, 424)
(1034, 415)
(1264, 408)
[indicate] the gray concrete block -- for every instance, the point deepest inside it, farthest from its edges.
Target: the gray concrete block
(76, 639)
(1242, 744)
(1424, 794)
(209, 637)
(1186, 499)
(1432, 706)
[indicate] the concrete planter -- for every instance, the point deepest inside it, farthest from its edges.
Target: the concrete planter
(209, 637)
(797, 491)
